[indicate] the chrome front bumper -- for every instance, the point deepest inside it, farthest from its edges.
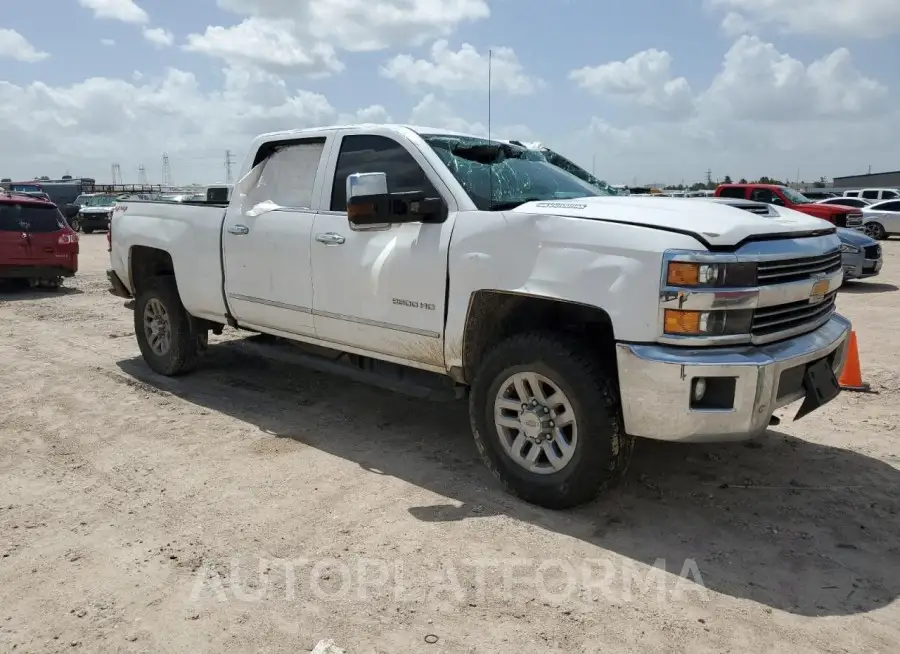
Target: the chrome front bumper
(656, 383)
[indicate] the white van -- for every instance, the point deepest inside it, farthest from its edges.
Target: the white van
(874, 194)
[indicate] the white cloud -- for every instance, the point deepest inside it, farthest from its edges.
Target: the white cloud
(644, 79)
(757, 82)
(859, 18)
(374, 114)
(159, 36)
(268, 44)
(432, 112)
(15, 46)
(764, 113)
(85, 126)
(365, 25)
(107, 42)
(464, 70)
(735, 24)
(123, 10)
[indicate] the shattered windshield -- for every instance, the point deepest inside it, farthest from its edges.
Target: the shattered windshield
(560, 161)
(500, 176)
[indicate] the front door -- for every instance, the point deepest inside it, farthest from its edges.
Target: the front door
(381, 288)
(266, 238)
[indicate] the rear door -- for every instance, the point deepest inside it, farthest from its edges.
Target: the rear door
(267, 234)
(13, 238)
(29, 234)
(44, 224)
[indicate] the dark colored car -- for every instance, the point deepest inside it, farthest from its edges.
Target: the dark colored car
(95, 214)
(37, 246)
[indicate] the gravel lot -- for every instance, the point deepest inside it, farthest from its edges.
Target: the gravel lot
(257, 506)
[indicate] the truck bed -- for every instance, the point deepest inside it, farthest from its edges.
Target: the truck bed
(191, 232)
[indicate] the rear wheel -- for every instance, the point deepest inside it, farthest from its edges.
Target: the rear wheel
(546, 418)
(875, 230)
(167, 336)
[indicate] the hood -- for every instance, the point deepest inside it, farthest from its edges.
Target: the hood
(853, 237)
(713, 224)
(815, 209)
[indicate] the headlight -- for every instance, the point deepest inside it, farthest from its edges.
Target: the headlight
(850, 249)
(687, 274)
(707, 323)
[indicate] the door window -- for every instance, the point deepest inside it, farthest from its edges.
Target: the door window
(870, 195)
(287, 176)
(765, 195)
(888, 206)
(377, 154)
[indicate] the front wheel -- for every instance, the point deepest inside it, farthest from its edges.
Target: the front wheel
(169, 342)
(546, 418)
(76, 224)
(875, 230)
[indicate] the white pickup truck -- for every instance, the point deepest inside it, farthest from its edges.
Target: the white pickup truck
(574, 322)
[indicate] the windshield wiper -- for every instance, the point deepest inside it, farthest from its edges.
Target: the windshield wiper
(511, 204)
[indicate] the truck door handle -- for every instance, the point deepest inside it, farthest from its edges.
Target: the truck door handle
(330, 238)
(239, 230)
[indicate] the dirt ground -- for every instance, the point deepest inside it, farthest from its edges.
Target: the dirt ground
(257, 506)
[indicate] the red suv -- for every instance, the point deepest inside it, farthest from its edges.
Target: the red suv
(37, 246)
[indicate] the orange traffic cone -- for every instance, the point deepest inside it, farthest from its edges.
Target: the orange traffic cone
(851, 377)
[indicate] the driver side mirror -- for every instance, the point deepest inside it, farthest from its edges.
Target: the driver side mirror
(368, 200)
(370, 203)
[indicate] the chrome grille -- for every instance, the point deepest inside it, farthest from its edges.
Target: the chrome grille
(854, 219)
(794, 270)
(794, 318)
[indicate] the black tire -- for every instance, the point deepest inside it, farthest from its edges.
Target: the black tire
(876, 230)
(186, 343)
(603, 449)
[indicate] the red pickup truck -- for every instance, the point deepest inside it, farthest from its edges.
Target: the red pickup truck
(782, 196)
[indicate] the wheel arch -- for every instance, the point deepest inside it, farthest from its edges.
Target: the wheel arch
(494, 315)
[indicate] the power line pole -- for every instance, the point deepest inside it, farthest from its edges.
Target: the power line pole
(116, 173)
(229, 160)
(166, 170)
(142, 175)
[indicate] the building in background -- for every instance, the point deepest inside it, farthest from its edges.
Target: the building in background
(872, 180)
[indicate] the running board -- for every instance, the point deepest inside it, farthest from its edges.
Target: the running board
(389, 376)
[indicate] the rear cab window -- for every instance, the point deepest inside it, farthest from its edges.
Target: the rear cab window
(738, 192)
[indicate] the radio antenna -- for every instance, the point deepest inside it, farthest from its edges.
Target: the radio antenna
(490, 170)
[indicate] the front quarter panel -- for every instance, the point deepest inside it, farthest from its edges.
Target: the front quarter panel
(612, 266)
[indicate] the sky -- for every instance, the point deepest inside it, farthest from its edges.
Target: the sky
(639, 91)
